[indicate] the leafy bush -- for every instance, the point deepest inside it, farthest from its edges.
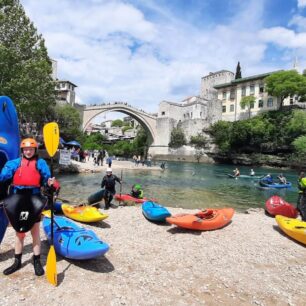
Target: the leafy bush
(177, 138)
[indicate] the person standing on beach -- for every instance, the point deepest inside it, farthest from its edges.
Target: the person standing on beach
(301, 201)
(109, 183)
(25, 204)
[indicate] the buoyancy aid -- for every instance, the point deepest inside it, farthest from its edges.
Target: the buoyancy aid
(27, 174)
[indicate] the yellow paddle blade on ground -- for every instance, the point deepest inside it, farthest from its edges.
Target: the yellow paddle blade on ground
(51, 137)
(51, 272)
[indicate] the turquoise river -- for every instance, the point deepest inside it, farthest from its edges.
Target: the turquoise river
(187, 185)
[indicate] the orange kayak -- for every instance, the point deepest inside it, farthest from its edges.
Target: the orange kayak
(209, 219)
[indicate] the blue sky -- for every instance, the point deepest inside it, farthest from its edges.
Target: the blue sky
(146, 51)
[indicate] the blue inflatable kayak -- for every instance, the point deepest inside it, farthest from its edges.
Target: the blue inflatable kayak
(263, 183)
(9, 148)
(73, 241)
(155, 212)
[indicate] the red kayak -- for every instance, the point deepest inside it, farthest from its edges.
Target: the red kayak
(275, 205)
(128, 197)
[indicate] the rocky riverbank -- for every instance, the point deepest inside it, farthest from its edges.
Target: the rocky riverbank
(249, 262)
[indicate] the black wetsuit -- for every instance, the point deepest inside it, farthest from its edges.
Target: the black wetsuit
(109, 182)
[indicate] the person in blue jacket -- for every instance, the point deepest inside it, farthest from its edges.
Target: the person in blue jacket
(25, 203)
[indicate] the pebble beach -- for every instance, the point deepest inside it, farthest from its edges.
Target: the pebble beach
(248, 262)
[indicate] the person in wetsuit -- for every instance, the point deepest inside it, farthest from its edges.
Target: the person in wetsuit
(137, 191)
(25, 203)
(109, 183)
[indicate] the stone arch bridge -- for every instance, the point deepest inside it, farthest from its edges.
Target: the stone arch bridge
(148, 121)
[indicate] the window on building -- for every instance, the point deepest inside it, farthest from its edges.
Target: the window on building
(190, 114)
(252, 89)
(232, 94)
(252, 105)
(296, 98)
(184, 115)
(260, 103)
(291, 101)
(243, 91)
(163, 113)
(200, 114)
(270, 102)
(261, 88)
(232, 108)
(243, 107)
(224, 95)
(224, 109)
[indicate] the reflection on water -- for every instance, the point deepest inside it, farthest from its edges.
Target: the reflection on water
(187, 185)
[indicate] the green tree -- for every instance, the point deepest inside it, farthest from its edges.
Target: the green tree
(177, 138)
(248, 102)
(117, 122)
(94, 141)
(283, 84)
(69, 121)
(238, 72)
(221, 131)
(198, 155)
(199, 141)
(300, 146)
(25, 66)
(297, 123)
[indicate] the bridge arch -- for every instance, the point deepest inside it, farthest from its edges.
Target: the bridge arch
(148, 121)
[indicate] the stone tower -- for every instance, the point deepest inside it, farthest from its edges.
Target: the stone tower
(214, 78)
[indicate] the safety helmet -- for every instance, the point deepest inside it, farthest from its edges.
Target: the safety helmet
(137, 186)
(109, 170)
(28, 143)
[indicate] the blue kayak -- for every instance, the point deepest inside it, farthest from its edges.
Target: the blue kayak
(73, 241)
(155, 212)
(9, 148)
(263, 183)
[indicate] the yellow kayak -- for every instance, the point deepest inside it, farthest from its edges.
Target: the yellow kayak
(294, 228)
(83, 213)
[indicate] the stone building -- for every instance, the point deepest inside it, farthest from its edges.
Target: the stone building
(232, 92)
(209, 82)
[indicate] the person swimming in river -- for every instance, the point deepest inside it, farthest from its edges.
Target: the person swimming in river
(236, 172)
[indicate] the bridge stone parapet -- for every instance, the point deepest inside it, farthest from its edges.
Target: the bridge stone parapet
(147, 120)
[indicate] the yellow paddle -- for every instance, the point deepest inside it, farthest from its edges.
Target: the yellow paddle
(51, 139)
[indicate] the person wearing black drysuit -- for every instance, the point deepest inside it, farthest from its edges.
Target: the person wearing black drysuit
(109, 183)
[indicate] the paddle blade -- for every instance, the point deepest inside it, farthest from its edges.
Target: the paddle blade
(51, 137)
(51, 267)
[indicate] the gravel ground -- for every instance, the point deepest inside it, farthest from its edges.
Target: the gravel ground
(249, 262)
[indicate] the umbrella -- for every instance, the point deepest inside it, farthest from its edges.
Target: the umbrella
(62, 141)
(73, 143)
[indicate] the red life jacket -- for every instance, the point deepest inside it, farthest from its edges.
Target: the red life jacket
(27, 174)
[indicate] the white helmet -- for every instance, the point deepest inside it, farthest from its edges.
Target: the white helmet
(109, 170)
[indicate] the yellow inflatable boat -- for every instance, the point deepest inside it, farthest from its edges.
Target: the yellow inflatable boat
(84, 213)
(294, 228)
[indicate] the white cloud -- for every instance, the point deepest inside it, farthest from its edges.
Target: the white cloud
(301, 3)
(113, 52)
(284, 37)
(299, 21)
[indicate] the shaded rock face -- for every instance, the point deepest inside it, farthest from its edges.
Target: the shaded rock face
(257, 159)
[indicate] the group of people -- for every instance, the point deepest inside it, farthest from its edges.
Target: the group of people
(32, 187)
(108, 184)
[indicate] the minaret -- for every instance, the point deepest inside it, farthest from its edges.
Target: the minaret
(296, 64)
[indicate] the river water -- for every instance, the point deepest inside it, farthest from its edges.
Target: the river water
(187, 185)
